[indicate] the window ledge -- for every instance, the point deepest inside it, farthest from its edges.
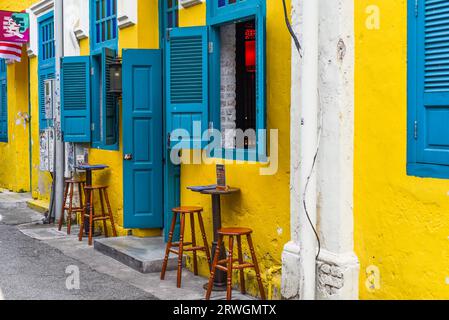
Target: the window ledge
(126, 13)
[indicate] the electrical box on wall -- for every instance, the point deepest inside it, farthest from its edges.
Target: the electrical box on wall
(47, 145)
(189, 3)
(49, 98)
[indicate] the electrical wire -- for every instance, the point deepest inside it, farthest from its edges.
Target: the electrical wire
(320, 130)
(290, 30)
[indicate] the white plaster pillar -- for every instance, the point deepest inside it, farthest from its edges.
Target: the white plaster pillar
(337, 266)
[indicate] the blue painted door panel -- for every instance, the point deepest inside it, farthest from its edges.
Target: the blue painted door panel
(187, 83)
(432, 83)
(142, 138)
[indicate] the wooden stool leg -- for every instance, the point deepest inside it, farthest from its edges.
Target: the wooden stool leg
(195, 257)
(214, 267)
(111, 216)
(81, 193)
(203, 234)
(103, 214)
(242, 273)
(69, 212)
(83, 216)
(180, 251)
(91, 216)
(168, 247)
(61, 219)
(229, 282)
(256, 266)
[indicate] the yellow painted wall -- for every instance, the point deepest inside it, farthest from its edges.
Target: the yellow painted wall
(263, 203)
(401, 222)
(14, 155)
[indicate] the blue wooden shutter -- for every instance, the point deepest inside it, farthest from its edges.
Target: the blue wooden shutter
(187, 82)
(431, 129)
(75, 96)
(110, 106)
(3, 111)
(43, 74)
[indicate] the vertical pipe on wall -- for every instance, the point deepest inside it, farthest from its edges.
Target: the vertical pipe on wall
(59, 53)
(299, 254)
(308, 142)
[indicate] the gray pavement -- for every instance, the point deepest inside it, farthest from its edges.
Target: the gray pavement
(34, 259)
(32, 269)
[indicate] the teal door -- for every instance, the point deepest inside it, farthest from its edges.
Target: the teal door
(142, 139)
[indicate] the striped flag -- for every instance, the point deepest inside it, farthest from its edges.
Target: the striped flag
(10, 51)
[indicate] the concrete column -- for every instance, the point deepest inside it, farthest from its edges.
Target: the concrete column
(337, 266)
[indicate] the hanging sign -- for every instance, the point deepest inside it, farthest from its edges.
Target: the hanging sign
(14, 26)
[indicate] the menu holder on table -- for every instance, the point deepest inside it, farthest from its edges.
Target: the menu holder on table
(221, 177)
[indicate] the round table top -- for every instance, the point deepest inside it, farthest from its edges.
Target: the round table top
(220, 192)
(91, 166)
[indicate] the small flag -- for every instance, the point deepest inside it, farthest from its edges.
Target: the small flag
(10, 51)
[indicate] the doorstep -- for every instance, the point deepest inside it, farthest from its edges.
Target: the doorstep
(142, 254)
(38, 205)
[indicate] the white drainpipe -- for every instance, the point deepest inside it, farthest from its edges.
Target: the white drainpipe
(59, 52)
(299, 255)
(308, 136)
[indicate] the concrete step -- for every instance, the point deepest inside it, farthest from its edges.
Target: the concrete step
(142, 254)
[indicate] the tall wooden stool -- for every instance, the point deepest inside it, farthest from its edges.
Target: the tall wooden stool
(182, 211)
(227, 265)
(69, 186)
(103, 216)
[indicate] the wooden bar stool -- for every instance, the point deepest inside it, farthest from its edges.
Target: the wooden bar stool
(182, 211)
(69, 186)
(227, 265)
(103, 216)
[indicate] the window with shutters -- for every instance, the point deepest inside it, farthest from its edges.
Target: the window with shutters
(3, 103)
(237, 73)
(428, 89)
(104, 47)
(46, 62)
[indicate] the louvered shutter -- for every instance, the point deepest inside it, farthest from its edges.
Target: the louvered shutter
(75, 99)
(110, 118)
(44, 74)
(187, 83)
(431, 129)
(3, 112)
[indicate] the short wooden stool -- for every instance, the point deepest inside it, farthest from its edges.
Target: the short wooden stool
(227, 265)
(69, 186)
(103, 216)
(182, 211)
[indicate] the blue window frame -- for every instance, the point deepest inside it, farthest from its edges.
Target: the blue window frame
(46, 61)
(428, 89)
(104, 48)
(171, 13)
(224, 12)
(104, 30)
(3, 103)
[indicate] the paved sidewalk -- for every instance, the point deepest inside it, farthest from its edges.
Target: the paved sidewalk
(33, 270)
(34, 258)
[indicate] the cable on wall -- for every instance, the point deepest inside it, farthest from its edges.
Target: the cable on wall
(320, 130)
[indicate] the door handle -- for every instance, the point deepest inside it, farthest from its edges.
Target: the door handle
(128, 156)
